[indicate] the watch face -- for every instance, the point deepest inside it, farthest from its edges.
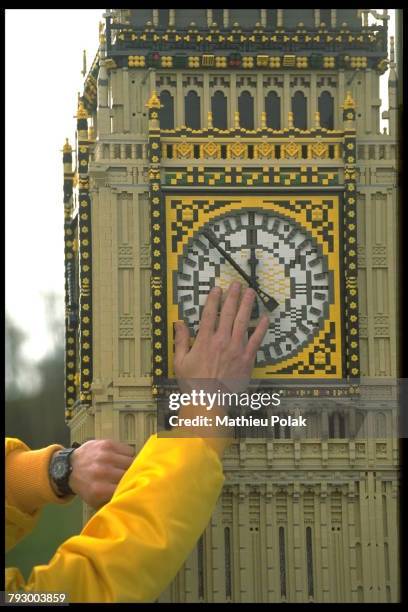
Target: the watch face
(276, 253)
(59, 469)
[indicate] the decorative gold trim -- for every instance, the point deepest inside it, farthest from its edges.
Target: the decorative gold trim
(154, 101)
(81, 112)
(349, 101)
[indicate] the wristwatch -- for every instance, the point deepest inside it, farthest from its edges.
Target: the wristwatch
(60, 469)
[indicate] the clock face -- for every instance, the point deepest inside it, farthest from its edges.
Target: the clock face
(276, 252)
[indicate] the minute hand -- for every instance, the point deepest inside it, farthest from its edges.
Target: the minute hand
(269, 302)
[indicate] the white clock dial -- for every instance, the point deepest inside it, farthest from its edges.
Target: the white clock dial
(284, 259)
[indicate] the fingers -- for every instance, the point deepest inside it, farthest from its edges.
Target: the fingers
(243, 316)
(256, 338)
(181, 341)
(210, 312)
(121, 462)
(229, 309)
(120, 448)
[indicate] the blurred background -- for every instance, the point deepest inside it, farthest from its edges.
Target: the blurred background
(44, 65)
(41, 101)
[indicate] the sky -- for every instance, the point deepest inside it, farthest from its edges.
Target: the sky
(44, 50)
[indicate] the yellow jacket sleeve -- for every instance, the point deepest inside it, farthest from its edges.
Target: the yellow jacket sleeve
(132, 548)
(28, 487)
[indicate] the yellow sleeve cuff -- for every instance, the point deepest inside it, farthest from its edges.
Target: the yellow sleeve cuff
(28, 487)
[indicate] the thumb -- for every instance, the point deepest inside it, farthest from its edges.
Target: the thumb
(181, 340)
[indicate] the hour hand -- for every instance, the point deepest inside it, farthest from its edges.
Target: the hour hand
(269, 302)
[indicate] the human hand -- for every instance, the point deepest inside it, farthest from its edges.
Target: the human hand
(97, 468)
(222, 354)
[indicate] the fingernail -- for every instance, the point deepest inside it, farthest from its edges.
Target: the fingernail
(216, 289)
(235, 286)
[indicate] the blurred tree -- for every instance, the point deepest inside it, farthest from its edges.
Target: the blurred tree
(36, 417)
(14, 359)
(35, 414)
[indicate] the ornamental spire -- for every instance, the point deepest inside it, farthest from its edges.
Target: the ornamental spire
(81, 112)
(154, 101)
(67, 147)
(349, 101)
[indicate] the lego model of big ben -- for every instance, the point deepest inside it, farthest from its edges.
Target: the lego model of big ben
(260, 127)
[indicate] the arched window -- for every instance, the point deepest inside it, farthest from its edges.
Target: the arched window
(163, 19)
(219, 110)
(326, 110)
(139, 17)
(380, 425)
(299, 110)
(246, 110)
(337, 425)
(228, 568)
(325, 17)
(309, 559)
(273, 110)
(200, 564)
(292, 18)
(184, 18)
(167, 111)
(218, 17)
(282, 561)
(246, 18)
(129, 427)
(271, 19)
(192, 110)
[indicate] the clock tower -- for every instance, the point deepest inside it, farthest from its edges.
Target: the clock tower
(222, 144)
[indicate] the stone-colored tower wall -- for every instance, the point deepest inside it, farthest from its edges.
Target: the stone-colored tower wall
(298, 520)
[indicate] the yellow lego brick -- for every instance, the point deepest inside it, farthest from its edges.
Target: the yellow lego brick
(315, 179)
(239, 179)
(211, 181)
(303, 179)
(190, 179)
(201, 179)
(179, 175)
(250, 182)
(227, 179)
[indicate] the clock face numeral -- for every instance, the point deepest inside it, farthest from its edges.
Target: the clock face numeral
(280, 257)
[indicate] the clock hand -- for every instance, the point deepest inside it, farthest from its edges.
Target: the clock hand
(253, 260)
(269, 302)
